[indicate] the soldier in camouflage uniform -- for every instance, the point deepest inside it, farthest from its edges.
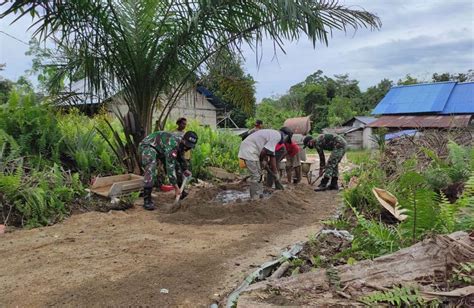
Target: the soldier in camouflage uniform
(329, 142)
(169, 149)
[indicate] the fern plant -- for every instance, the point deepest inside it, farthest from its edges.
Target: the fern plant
(373, 238)
(463, 211)
(32, 124)
(403, 296)
(454, 169)
(464, 273)
(421, 204)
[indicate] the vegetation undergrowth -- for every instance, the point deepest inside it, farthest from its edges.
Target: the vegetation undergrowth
(46, 159)
(214, 148)
(375, 232)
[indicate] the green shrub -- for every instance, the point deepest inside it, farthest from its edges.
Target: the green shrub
(32, 196)
(429, 211)
(361, 197)
(214, 148)
(33, 125)
(453, 170)
(39, 147)
(373, 238)
(86, 150)
(359, 157)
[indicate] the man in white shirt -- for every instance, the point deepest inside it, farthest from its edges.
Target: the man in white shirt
(258, 150)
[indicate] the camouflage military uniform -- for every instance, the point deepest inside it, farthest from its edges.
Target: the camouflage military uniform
(161, 146)
(337, 145)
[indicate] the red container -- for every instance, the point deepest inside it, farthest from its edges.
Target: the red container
(166, 188)
(299, 125)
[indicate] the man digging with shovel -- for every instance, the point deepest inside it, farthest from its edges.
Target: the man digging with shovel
(258, 152)
(169, 149)
(329, 142)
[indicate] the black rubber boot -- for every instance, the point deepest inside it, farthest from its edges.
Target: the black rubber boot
(184, 194)
(147, 202)
(323, 185)
(333, 185)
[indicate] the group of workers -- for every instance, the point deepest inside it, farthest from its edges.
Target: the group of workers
(261, 150)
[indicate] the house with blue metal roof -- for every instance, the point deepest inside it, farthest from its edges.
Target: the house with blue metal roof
(421, 106)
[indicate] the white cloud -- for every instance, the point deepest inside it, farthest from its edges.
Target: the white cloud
(417, 37)
(12, 51)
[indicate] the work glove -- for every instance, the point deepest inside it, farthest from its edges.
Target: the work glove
(187, 173)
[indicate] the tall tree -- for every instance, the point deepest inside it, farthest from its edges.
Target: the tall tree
(408, 80)
(316, 104)
(460, 77)
(148, 47)
(5, 86)
(149, 50)
(226, 78)
(346, 87)
(340, 110)
(373, 96)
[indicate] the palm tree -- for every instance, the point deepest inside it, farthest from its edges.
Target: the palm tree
(150, 49)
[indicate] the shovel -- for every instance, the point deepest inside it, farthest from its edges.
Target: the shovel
(177, 204)
(319, 176)
(278, 184)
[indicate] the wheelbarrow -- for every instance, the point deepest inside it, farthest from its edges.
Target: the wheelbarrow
(117, 185)
(310, 168)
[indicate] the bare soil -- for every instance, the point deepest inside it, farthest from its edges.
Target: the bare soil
(124, 258)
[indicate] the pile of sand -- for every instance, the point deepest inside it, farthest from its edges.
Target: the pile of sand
(201, 207)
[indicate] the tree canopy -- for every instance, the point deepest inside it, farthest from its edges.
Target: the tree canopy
(147, 48)
(226, 78)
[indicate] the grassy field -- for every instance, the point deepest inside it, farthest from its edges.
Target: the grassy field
(358, 156)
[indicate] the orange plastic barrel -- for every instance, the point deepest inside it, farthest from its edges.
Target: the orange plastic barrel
(166, 188)
(300, 125)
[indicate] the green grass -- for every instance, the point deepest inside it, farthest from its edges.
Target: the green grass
(358, 156)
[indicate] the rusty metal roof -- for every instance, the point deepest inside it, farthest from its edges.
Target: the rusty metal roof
(422, 121)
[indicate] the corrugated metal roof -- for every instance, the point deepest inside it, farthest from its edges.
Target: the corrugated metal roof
(461, 99)
(214, 100)
(419, 98)
(366, 120)
(342, 130)
(422, 121)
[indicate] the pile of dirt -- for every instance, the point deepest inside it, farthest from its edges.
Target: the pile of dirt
(399, 150)
(201, 206)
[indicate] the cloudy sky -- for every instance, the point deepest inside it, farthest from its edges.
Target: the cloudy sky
(417, 37)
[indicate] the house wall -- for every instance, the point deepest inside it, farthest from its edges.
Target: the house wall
(192, 105)
(354, 140)
(367, 142)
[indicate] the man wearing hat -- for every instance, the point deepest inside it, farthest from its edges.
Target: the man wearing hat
(329, 142)
(169, 149)
(258, 151)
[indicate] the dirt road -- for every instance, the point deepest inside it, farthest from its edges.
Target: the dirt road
(126, 258)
